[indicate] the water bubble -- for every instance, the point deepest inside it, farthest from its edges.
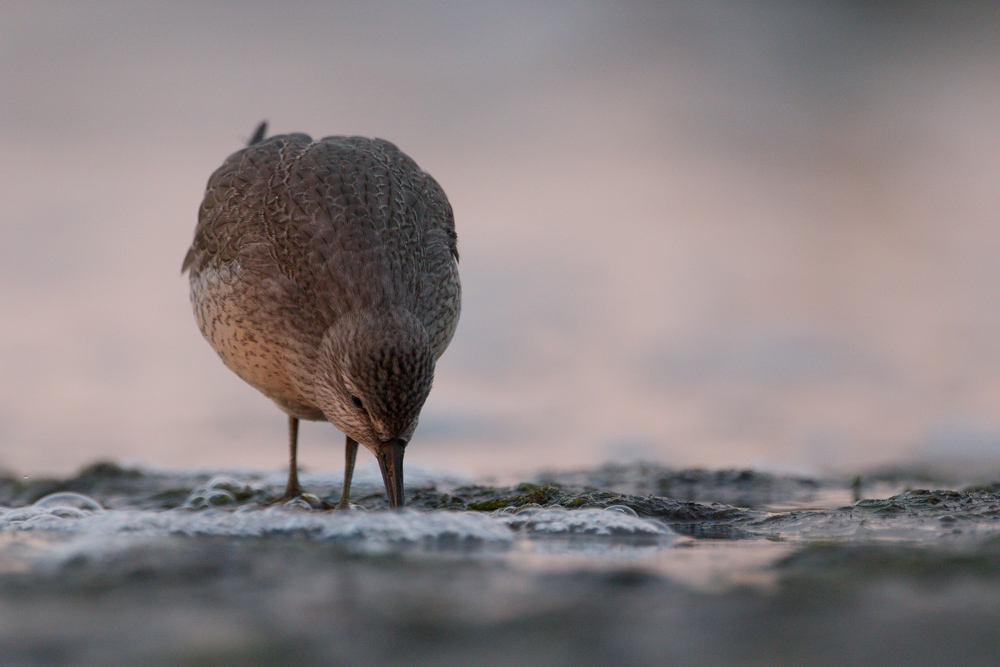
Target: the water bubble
(623, 509)
(68, 513)
(299, 502)
(203, 499)
(238, 490)
(219, 491)
(224, 483)
(217, 497)
(52, 508)
(68, 499)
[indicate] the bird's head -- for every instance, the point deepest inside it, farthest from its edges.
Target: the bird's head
(375, 372)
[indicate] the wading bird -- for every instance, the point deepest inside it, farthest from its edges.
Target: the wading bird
(325, 274)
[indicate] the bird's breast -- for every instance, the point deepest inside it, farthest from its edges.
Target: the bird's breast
(253, 341)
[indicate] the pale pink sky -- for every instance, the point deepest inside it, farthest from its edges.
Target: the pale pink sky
(700, 233)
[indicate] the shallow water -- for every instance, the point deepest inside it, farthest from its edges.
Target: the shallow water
(130, 566)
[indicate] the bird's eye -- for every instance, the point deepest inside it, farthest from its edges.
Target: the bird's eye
(357, 402)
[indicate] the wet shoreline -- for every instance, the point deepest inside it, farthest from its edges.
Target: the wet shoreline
(192, 569)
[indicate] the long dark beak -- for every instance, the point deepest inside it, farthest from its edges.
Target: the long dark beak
(390, 462)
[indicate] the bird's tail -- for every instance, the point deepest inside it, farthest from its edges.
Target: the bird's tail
(258, 134)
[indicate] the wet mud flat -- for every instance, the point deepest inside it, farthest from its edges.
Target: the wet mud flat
(623, 565)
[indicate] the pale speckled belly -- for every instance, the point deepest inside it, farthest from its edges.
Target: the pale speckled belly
(246, 344)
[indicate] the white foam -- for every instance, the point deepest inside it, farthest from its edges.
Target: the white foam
(73, 524)
(404, 526)
(612, 521)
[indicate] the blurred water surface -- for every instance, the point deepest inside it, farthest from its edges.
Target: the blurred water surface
(703, 233)
(130, 566)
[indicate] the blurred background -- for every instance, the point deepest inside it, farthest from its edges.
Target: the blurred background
(699, 233)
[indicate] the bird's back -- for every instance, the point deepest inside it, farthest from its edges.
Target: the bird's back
(294, 233)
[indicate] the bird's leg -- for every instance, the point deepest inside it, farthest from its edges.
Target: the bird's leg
(292, 489)
(350, 455)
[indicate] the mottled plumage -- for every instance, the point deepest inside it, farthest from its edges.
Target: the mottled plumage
(325, 274)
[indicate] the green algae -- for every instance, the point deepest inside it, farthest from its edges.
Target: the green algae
(707, 520)
(738, 487)
(935, 502)
(923, 514)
